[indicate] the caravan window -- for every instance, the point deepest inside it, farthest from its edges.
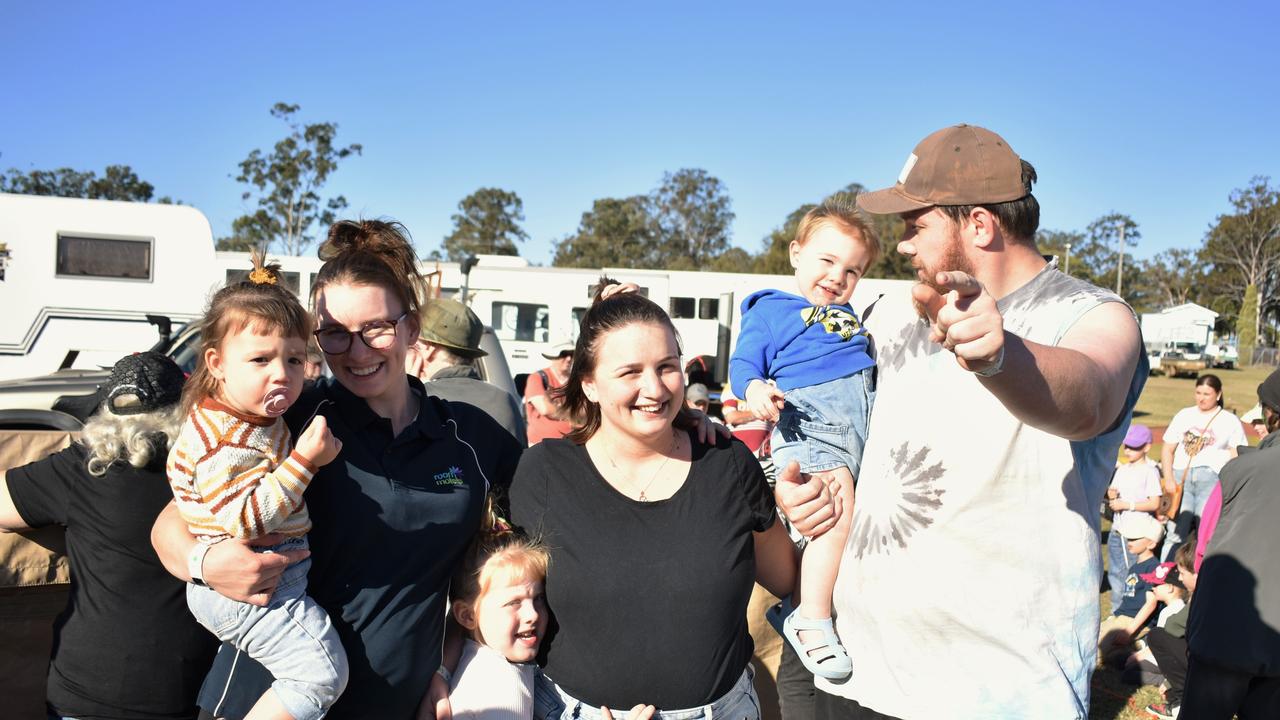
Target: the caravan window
(520, 321)
(683, 307)
(576, 327)
(708, 308)
(291, 279)
(103, 257)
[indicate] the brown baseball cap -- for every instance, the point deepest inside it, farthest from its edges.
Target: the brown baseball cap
(959, 165)
(453, 325)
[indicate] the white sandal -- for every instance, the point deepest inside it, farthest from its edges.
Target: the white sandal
(826, 658)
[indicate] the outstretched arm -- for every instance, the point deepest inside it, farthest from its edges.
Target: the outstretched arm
(1075, 389)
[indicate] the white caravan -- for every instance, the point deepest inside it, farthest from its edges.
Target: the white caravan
(531, 309)
(79, 278)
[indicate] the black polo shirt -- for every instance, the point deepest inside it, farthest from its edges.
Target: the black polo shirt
(392, 515)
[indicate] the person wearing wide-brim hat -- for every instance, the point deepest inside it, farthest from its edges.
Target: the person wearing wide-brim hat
(542, 406)
(126, 646)
(444, 360)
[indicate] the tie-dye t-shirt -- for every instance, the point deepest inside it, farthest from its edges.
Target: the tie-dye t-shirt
(969, 586)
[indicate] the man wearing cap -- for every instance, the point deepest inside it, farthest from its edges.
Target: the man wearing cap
(444, 360)
(545, 412)
(969, 585)
(1233, 633)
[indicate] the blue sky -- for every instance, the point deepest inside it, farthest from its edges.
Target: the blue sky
(1154, 109)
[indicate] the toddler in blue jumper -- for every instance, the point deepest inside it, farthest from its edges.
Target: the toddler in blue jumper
(803, 362)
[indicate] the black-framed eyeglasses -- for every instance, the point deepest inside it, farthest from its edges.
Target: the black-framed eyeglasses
(378, 335)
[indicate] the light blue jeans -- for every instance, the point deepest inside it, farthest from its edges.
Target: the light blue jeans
(550, 702)
(824, 426)
(1195, 493)
(1119, 560)
(292, 637)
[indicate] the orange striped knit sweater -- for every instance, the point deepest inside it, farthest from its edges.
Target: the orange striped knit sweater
(238, 476)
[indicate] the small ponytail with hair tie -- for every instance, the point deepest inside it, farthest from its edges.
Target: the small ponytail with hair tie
(263, 273)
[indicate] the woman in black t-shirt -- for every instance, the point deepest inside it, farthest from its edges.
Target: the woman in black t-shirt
(655, 538)
(125, 646)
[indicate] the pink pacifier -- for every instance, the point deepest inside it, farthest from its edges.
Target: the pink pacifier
(276, 403)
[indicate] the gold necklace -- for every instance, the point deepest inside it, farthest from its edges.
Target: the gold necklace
(675, 443)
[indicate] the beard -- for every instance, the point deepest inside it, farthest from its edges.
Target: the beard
(953, 258)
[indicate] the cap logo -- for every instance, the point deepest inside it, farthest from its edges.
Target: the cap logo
(906, 169)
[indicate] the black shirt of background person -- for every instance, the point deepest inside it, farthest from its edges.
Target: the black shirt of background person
(648, 599)
(130, 648)
(390, 516)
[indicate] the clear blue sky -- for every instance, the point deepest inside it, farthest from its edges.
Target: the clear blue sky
(1154, 109)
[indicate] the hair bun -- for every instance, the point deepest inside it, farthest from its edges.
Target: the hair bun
(601, 292)
(345, 236)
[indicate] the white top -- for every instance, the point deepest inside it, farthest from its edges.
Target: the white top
(1224, 433)
(969, 584)
(488, 687)
(1136, 482)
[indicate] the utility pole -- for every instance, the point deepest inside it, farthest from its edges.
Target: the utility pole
(1120, 267)
(1066, 268)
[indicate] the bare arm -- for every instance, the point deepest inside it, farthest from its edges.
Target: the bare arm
(736, 417)
(1074, 390)
(536, 394)
(1166, 465)
(231, 567)
(1144, 614)
(775, 560)
(9, 518)
(545, 406)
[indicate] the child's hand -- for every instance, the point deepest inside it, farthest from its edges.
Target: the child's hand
(765, 400)
(1117, 504)
(317, 444)
(1112, 493)
(639, 712)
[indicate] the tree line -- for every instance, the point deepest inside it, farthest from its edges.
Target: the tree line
(685, 224)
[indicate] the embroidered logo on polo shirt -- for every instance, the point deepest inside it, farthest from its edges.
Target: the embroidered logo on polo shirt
(452, 476)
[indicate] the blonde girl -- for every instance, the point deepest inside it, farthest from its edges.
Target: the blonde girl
(497, 597)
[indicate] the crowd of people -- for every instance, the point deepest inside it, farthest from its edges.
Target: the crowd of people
(919, 481)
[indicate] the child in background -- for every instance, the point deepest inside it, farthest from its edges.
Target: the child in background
(1142, 533)
(1142, 668)
(236, 474)
(497, 597)
(1167, 644)
(1135, 488)
(802, 361)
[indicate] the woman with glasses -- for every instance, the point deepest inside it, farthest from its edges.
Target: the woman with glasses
(391, 515)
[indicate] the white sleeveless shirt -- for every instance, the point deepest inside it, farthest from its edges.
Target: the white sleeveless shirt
(969, 586)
